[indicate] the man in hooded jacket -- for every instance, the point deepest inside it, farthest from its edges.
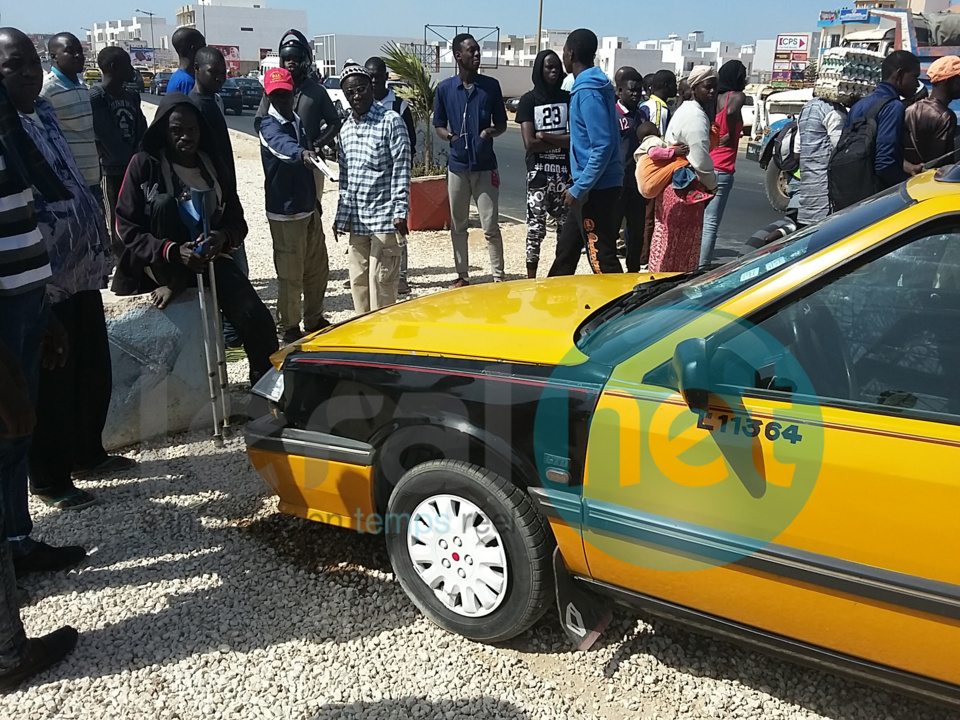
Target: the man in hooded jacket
(543, 116)
(595, 164)
(161, 250)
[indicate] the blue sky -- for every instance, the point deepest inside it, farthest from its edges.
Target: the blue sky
(738, 21)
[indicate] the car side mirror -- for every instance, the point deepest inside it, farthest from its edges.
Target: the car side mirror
(691, 368)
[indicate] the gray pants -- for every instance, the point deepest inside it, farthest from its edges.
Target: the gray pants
(479, 187)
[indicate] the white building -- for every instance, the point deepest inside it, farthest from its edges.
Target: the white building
(616, 52)
(246, 24)
(138, 32)
(330, 52)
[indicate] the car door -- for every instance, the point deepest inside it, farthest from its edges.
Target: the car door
(815, 495)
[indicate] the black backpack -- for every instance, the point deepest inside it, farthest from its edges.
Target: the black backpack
(785, 156)
(852, 172)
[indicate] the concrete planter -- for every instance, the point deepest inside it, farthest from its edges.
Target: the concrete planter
(429, 205)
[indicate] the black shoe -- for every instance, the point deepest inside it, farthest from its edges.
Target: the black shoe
(324, 323)
(403, 287)
(46, 558)
(42, 653)
(291, 335)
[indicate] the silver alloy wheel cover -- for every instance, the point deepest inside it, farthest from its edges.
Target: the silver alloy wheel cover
(458, 553)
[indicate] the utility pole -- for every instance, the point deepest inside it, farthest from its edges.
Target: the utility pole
(153, 44)
(540, 28)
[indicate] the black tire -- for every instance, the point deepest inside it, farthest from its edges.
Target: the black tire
(527, 544)
(775, 182)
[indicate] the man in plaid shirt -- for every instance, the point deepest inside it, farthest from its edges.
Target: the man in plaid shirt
(374, 192)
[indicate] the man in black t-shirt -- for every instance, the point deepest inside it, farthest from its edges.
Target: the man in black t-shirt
(543, 115)
(118, 126)
(633, 206)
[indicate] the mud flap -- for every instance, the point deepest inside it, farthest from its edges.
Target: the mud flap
(583, 615)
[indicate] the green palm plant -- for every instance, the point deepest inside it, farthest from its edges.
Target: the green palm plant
(419, 91)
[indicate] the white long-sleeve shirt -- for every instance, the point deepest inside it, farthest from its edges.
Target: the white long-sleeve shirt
(691, 126)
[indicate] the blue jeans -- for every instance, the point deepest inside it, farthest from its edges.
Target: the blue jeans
(23, 322)
(712, 215)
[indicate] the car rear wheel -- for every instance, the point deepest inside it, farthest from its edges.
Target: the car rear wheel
(470, 550)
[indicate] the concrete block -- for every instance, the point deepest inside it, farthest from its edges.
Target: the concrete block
(159, 368)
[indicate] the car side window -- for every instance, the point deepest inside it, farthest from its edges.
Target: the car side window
(884, 337)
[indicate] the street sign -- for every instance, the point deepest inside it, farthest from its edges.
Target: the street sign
(797, 43)
(791, 55)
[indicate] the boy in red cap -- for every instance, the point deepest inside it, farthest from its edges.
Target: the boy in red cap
(930, 124)
(291, 194)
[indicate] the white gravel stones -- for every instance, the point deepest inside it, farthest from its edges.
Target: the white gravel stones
(201, 601)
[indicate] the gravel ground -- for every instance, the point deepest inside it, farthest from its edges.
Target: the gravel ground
(200, 600)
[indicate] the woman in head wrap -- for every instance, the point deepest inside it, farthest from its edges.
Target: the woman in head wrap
(732, 79)
(679, 209)
(542, 115)
(161, 231)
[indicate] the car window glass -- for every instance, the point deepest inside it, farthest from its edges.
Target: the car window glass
(883, 337)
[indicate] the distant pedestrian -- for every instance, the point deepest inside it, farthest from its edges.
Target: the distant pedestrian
(648, 85)
(544, 118)
(656, 109)
(68, 94)
(595, 164)
(819, 126)
(900, 73)
(299, 253)
(186, 41)
(320, 121)
(210, 69)
(118, 124)
(632, 206)
(374, 192)
(931, 126)
(377, 69)
(25, 332)
(162, 255)
(679, 210)
(469, 113)
(732, 81)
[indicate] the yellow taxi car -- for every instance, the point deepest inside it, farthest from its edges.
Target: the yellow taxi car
(91, 76)
(769, 451)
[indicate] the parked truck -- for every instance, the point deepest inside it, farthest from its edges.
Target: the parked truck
(928, 37)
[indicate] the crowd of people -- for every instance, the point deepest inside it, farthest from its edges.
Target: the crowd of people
(90, 194)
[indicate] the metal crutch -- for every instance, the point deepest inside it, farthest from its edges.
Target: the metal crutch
(204, 319)
(203, 201)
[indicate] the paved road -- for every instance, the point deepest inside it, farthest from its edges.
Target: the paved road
(747, 210)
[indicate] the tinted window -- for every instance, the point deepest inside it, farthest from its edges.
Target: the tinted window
(884, 337)
(230, 84)
(332, 83)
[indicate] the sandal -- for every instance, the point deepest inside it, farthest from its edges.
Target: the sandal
(113, 464)
(74, 501)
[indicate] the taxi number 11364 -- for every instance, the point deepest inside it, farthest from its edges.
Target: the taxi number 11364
(735, 424)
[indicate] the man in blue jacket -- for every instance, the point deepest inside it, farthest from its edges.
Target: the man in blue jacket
(299, 253)
(900, 73)
(594, 162)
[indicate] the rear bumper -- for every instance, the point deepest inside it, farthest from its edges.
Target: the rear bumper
(316, 476)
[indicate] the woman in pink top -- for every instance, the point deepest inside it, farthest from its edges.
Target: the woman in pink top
(730, 100)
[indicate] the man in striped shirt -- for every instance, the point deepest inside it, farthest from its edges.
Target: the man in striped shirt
(70, 97)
